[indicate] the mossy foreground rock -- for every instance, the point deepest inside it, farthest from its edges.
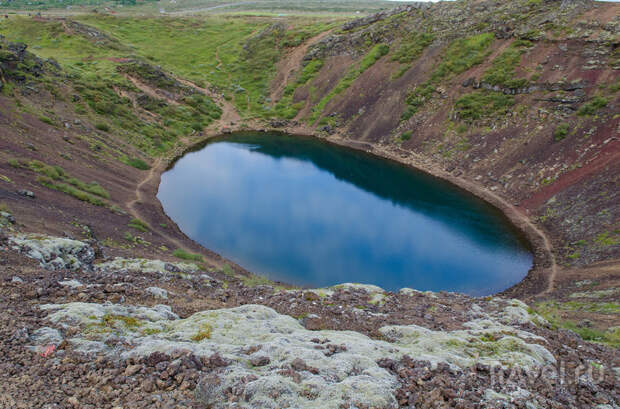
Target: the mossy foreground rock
(271, 360)
(55, 252)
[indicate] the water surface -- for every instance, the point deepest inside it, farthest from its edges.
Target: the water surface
(306, 212)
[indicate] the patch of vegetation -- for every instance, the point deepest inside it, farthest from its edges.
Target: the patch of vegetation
(411, 47)
(409, 50)
(184, 255)
(135, 239)
(111, 319)
(551, 312)
(285, 108)
(136, 163)
(70, 190)
(405, 136)
(138, 225)
(352, 74)
(608, 238)
(205, 332)
(561, 131)
(483, 104)
(255, 280)
(502, 71)
(47, 120)
(102, 126)
(227, 270)
(52, 175)
(460, 56)
(591, 107)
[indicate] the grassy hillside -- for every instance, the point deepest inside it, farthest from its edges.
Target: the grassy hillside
(323, 7)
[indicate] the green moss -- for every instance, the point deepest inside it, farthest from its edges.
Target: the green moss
(205, 332)
(111, 320)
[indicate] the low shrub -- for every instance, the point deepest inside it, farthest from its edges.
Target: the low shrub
(561, 131)
(592, 106)
(102, 127)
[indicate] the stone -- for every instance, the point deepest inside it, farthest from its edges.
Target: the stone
(26, 193)
(55, 253)
(260, 360)
(157, 292)
(132, 370)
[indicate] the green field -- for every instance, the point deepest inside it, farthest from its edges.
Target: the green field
(274, 7)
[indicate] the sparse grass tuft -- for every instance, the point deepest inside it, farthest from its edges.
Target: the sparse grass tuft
(184, 255)
(138, 225)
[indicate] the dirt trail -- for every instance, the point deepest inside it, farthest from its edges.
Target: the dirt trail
(229, 112)
(291, 63)
(150, 91)
(156, 169)
(145, 190)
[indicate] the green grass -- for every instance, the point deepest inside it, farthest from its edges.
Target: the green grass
(405, 136)
(184, 255)
(503, 68)
(463, 54)
(483, 104)
(70, 190)
(561, 131)
(352, 74)
(138, 225)
(409, 50)
(102, 126)
(136, 163)
(460, 56)
(591, 107)
(237, 55)
(285, 108)
(608, 238)
(551, 312)
(55, 177)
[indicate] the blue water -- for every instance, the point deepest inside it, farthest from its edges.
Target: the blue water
(305, 212)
